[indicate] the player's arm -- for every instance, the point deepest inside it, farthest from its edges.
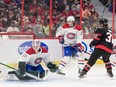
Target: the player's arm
(60, 35)
(97, 37)
(49, 63)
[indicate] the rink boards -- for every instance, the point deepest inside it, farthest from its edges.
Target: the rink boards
(10, 50)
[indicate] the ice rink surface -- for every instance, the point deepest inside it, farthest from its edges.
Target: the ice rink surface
(96, 77)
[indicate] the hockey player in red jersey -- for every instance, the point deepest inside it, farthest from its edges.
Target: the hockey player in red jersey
(30, 62)
(103, 47)
(70, 36)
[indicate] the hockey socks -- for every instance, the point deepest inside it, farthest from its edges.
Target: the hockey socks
(84, 71)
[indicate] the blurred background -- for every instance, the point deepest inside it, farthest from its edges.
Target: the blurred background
(43, 17)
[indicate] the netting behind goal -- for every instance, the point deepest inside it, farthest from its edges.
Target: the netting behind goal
(12, 45)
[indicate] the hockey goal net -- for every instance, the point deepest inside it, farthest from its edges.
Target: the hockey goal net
(12, 45)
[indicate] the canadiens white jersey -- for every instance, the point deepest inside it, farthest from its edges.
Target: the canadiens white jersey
(34, 58)
(72, 35)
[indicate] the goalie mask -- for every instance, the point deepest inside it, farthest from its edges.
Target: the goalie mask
(36, 44)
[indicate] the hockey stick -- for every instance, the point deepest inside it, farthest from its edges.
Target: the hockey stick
(105, 9)
(28, 74)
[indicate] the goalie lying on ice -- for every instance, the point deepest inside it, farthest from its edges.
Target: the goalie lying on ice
(29, 63)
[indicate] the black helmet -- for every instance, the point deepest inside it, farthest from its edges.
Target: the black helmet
(103, 21)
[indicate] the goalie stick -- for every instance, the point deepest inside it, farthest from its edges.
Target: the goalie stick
(28, 74)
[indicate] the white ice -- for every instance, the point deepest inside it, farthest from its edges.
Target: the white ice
(96, 77)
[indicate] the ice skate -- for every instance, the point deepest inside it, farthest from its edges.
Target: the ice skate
(59, 72)
(79, 71)
(82, 75)
(109, 72)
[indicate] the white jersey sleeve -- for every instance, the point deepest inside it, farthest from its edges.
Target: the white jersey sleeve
(46, 59)
(60, 32)
(24, 57)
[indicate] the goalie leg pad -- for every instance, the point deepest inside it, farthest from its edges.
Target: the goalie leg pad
(38, 68)
(17, 74)
(22, 68)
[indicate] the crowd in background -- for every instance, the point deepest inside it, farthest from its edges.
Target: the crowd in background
(37, 20)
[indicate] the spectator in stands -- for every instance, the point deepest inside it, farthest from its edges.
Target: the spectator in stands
(38, 30)
(94, 18)
(1, 25)
(77, 4)
(67, 12)
(10, 16)
(75, 13)
(12, 27)
(88, 4)
(28, 30)
(46, 28)
(86, 14)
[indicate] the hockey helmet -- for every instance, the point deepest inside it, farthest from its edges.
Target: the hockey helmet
(70, 18)
(103, 21)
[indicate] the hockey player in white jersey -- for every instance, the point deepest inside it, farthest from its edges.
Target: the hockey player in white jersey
(30, 62)
(70, 36)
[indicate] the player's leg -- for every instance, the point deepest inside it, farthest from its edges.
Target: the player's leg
(81, 61)
(65, 60)
(79, 56)
(42, 72)
(108, 66)
(93, 58)
(23, 69)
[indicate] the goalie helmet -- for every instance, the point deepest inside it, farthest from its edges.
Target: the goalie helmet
(36, 44)
(70, 18)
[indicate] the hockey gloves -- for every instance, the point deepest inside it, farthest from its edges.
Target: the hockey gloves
(80, 47)
(52, 67)
(90, 45)
(61, 39)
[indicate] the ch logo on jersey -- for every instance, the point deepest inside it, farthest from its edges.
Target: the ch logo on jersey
(38, 60)
(70, 36)
(26, 45)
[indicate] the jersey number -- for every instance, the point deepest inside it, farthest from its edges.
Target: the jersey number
(109, 37)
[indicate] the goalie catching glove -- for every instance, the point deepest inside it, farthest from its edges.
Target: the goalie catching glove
(52, 67)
